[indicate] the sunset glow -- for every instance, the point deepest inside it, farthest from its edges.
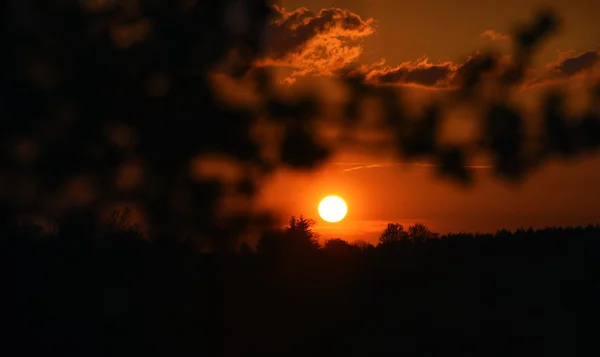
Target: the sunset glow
(309, 177)
(333, 209)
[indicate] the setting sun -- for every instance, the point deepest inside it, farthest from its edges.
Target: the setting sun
(333, 209)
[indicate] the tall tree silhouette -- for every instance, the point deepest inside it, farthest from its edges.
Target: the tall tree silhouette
(302, 229)
(419, 232)
(300, 234)
(297, 238)
(393, 233)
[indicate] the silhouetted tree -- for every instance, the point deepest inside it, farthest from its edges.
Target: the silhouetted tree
(300, 229)
(271, 242)
(503, 233)
(419, 232)
(393, 233)
(338, 246)
(363, 246)
(298, 238)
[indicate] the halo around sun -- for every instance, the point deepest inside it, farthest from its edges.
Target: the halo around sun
(333, 209)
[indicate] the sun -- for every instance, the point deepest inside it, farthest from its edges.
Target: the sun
(333, 209)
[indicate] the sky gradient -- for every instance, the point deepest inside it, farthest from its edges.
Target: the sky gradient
(421, 46)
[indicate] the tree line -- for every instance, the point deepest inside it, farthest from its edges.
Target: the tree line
(415, 293)
(299, 235)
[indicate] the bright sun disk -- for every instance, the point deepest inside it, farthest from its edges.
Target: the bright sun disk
(333, 209)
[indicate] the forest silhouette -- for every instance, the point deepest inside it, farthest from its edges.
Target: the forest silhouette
(112, 104)
(415, 292)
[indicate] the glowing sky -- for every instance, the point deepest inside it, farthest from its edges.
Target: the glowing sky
(423, 44)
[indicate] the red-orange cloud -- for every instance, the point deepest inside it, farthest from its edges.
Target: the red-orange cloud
(419, 72)
(423, 73)
(321, 43)
(448, 75)
(315, 43)
(494, 35)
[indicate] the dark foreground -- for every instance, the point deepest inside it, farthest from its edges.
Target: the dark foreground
(530, 293)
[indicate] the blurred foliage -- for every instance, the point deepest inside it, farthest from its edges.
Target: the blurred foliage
(106, 103)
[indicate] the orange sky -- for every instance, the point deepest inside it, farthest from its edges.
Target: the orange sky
(400, 42)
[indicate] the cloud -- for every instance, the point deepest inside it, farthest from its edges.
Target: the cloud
(423, 73)
(419, 72)
(302, 42)
(494, 35)
(317, 43)
(571, 64)
(449, 75)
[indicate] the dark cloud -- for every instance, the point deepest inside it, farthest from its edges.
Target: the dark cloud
(426, 76)
(442, 75)
(485, 65)
(423, 73)
(448, 75)
(420, 72)
(573, 65)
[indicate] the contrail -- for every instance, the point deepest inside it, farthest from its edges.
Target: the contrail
(361, 166)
